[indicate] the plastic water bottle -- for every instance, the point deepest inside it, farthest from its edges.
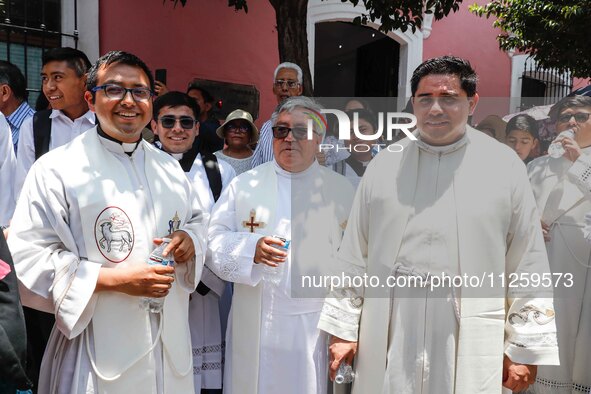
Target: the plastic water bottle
(556, 149)
(154, 305)
(273, 275)
(344, 374)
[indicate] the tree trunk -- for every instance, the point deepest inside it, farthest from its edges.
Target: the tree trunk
(291, 18)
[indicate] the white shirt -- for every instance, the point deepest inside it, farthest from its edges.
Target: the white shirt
(7, 170)
(63, 130)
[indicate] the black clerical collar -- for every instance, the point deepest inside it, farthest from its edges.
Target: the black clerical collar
(128, 148)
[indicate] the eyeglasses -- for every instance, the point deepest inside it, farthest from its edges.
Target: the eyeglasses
(280, 83)
(580, 117)
(233, 128)
(117, 92)
(168, 122)
(299, 133)
(444, 101)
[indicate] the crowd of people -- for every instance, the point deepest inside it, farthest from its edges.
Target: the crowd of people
(115, 164)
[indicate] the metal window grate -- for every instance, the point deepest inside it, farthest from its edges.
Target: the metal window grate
(541, 86)
(27, 29)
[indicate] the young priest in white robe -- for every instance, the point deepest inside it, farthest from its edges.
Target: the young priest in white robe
(89, 215)
(175, 124)
(562, 188)
(440, 208)
(273, 345)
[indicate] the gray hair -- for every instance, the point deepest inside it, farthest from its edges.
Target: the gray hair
(291, 66)
(303, 102)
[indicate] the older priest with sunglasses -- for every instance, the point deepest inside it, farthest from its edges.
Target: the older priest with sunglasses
(88, 217)
(273, 226)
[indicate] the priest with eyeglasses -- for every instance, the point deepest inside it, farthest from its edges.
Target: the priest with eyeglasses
(84, 228)
(274, 226)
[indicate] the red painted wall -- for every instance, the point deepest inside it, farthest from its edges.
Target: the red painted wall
(468, 36)
(204, 39)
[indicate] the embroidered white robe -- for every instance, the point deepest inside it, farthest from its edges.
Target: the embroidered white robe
(563, 193)
(403, 218)
(60, 242)
(273, 344)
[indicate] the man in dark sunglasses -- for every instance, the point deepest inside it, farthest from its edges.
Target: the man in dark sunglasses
(275, 225)
(562, 188)
(175, 123)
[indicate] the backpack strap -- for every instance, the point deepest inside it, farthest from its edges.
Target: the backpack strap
(212, 170)
(355, 165)
(41, 132)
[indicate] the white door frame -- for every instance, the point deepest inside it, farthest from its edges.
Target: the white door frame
(411, 44)
(88, 26)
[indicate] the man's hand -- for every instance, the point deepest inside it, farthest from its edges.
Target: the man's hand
(181, 246)
(546, 232)
(572, 150)
(142, 280)
(517, 377)
(265, 253)
(160, 88)
(340, 351)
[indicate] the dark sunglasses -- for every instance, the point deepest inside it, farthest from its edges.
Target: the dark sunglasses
(281, 132)
(168, 122)
(232, 128)
(580, 117)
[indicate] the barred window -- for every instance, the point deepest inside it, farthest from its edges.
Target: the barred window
(27, 29)
(540, 86)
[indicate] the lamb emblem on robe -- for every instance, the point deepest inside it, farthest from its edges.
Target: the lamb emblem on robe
(110, 236)
(114, 234)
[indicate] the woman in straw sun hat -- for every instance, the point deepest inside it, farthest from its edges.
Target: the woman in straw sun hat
(239, 133)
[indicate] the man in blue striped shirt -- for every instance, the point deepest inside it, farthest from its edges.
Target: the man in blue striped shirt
(287, 82)
(13, 94)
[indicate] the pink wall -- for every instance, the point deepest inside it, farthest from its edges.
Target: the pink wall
(468, 36)
(205, 39)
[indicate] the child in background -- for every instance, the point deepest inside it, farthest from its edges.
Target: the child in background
(523, 137)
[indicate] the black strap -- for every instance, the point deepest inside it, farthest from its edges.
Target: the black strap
(210, 163)
(189, 157)
(41, 132)
(357, 166)
(212, 170)
(202, 289)
(214, 178)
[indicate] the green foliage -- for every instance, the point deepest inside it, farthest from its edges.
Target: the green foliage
(554, 32)
(403, 14)
(390, 14)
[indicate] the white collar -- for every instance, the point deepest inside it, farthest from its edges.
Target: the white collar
(442, 150)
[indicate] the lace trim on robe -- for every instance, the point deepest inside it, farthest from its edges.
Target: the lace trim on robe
(339, 314)
(229, 256)
(543, 386)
